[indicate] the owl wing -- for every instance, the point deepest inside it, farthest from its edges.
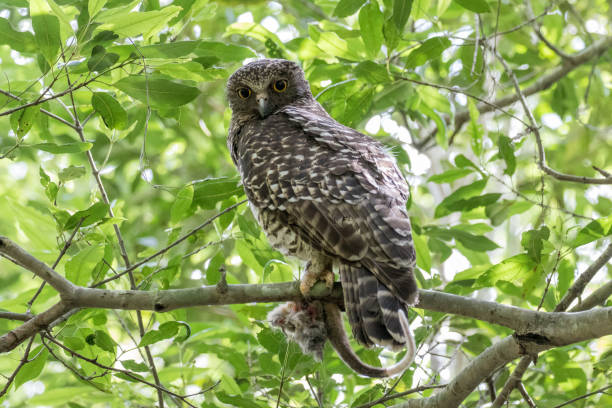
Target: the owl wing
(346, 197)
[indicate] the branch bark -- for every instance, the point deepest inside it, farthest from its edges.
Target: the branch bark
(525, 322)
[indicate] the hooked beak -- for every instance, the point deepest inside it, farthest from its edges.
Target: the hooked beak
(262, 104)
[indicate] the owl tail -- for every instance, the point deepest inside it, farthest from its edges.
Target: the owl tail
(373, 311)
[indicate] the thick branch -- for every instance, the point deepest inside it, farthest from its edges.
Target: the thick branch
(507, 350)
(19, 256)
(585, 277)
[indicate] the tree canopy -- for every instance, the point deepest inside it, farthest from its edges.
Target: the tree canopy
(134, 274)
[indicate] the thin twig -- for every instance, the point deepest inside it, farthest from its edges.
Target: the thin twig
(24, 361)
(401, 394)
(128, 373)
(599, 391)
(536, 131)
(172, 245)
(124, 255)
(521, 388)
(312, 390)
(57, 261)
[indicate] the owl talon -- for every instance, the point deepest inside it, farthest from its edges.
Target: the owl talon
(316, 270)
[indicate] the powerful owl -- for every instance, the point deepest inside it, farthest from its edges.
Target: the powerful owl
(327, 194)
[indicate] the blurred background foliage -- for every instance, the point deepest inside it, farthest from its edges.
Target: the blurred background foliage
(148, 79)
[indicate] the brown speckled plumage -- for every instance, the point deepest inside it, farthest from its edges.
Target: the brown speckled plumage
(321, 190)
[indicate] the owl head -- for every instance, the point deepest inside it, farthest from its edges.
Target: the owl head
(263, 86)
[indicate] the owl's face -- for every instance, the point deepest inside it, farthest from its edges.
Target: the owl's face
(263, 86)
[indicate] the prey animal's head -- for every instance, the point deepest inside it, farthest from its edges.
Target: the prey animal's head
(266, 85)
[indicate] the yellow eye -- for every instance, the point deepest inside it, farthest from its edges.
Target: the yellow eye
(280, 85)
(244, 93)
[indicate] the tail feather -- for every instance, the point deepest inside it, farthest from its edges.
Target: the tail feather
(373, 310)
(350, 290)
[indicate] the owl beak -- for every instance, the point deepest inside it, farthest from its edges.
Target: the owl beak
(262, 103)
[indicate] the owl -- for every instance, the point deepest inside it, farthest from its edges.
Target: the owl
(327, 194)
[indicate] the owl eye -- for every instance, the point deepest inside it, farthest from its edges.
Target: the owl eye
(280, 85)
(244, 93)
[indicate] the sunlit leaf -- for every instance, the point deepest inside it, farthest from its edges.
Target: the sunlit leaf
(79, 267)
(458, 196)
(371, 27)
(33, 368)
(477, 6)
(181, 204)
(594, 230)
(145, 23)
(157, 92)
(112, 113)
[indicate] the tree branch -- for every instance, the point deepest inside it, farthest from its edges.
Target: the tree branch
(524, 322)
(541, 84)
(573, 292)
(536, 131)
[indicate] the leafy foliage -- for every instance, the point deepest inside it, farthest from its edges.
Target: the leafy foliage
(130, 96)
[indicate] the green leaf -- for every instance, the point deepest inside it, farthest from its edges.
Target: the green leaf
(171, 50)
(372, 72)
(469, 204)
(192, 71)
(134, 366)
(357, 106)
(157, 92)
(182, 203)
(471, 190)
(506, 152)
(345, 8)
(532, 242)
(145, 23)
(371, 28)
(19, 41)
(450, 175)
(208, 192)
(47, 35)
(498, 212)
(518, 270)
(466, 238)
(112, 113)
(73, 342)
(391, 34)
(401, 12)
(91, 215)
(166, 330)
(462, 161)
(331, 43)
(271, 340)
(100, 60)
(75, 147)
(225, 52)
(94, 6)
(423, 257)
(105, 342)
(431, 49)
(441, 139)
(564, 99)
(477, 6)
(234, 400)
(593, 231)
(78, 268)
(23, 120)
(474, 128)
(71, 173)
(213, 273)
(57, 396)
(32, 369)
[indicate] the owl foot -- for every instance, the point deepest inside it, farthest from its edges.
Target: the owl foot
(319, 268)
